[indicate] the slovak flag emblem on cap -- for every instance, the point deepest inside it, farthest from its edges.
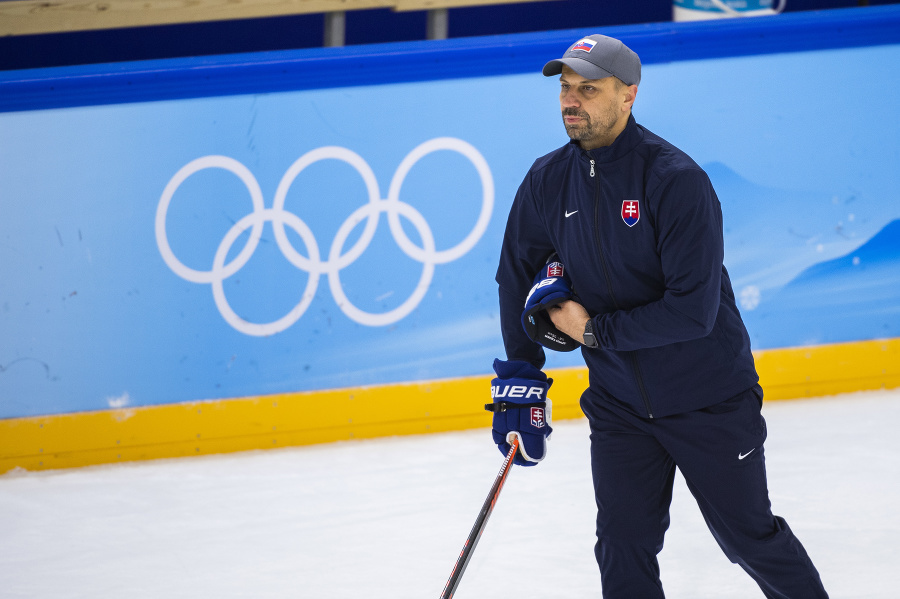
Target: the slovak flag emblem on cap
(631, 212)
(585, 45)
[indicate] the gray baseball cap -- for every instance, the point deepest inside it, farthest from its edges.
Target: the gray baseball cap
(598, 56)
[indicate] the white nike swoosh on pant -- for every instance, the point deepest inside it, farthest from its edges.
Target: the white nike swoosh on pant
(741, 456)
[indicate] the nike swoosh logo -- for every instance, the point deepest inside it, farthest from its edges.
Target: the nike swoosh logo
(741, 456)
(568, 214)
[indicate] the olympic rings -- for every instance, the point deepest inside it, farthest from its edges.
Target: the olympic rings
(338, 258)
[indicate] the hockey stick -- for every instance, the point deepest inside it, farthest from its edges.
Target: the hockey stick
(463, 560)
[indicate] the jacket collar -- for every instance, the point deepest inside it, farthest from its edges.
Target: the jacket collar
(628, 139)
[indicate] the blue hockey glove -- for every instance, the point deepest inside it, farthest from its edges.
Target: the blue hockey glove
(521, 409)
(551, 286)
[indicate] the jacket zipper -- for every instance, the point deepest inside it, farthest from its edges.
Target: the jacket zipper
(634, 363)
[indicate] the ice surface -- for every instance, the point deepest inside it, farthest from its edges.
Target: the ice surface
(387, 518)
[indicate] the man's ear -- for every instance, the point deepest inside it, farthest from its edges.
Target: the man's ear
(629, 95)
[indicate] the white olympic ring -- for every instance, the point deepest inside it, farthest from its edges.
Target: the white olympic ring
(338, 259)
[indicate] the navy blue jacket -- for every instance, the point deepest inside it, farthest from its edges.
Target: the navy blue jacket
(639, 228)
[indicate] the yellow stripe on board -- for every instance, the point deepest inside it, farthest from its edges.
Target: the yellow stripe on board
(829, 369)
(220, 426)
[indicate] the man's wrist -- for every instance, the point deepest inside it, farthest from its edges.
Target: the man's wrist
(589, 339)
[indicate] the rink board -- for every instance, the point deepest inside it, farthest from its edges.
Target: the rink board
(209, 427)
(242, 252)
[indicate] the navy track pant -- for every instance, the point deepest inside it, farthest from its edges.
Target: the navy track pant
(719, 451)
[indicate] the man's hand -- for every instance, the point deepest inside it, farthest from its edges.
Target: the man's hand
(570, 317)
(521, 409)
(551, 286)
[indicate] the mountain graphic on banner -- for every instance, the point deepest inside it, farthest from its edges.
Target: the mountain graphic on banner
(772, 234)
(856, 296)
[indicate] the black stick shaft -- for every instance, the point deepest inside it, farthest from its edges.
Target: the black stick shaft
(463, 560)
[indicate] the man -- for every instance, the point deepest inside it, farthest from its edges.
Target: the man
(614, 244)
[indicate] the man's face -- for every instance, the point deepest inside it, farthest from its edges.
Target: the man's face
(594, 111)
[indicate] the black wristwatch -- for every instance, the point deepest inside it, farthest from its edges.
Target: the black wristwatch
(589, 339)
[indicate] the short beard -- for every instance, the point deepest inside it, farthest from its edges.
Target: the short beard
(588, 129)
(584, 130)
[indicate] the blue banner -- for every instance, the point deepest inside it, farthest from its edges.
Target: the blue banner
(205, 248)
